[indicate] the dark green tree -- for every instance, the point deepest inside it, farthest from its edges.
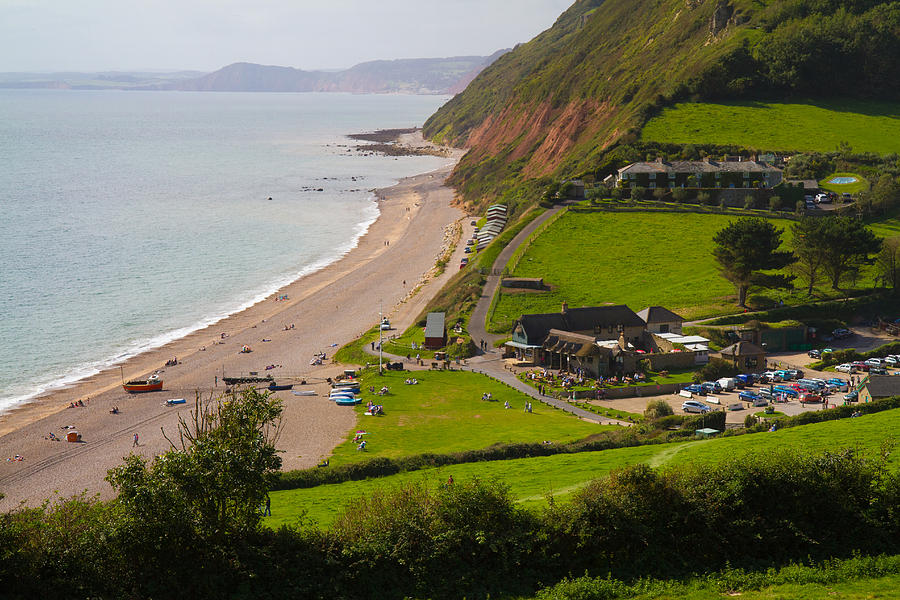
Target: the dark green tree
(211, 483)
(887, 263)
(809, 257)
(845, 244)
(745, 249)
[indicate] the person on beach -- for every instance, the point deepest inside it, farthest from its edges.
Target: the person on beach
(135, 443)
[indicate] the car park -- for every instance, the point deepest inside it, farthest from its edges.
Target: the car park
(694, 406)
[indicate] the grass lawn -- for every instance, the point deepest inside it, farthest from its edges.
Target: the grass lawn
(445, 413)
(856, 589)
(637, 259)
(532, 479)
(840, 188)
(866, 126)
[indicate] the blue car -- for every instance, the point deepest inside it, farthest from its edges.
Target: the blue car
(780, 389)
(749, 396)
(695, 388)
(711, 387)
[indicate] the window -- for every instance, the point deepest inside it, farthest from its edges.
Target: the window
(664, 328)
(671, 175)
(651, 185)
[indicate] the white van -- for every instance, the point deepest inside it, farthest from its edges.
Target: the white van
(728, 383)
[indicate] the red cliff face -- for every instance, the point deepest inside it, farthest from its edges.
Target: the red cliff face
(540, 132)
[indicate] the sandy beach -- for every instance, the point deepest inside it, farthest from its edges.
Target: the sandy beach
(392, 266)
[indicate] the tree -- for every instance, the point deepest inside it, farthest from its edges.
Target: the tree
(747, 247)
(660, 193)
(887, 263)
(846, 244)
(775, 203)
(212, 481)
(809, 258)
(657, 409)
(679, 194)
(637, 193)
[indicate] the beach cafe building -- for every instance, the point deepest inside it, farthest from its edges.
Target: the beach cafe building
(435, 330)
(600, 340)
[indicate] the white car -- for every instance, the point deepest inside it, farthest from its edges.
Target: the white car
(891, 360)
(845, 368)
(874, 362)
(694, 406)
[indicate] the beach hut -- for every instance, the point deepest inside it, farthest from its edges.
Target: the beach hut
(435, 330)
(73, 436)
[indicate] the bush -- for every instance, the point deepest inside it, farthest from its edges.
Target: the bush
(750, 421)
(703, 198)
(749, 202)
(638, 193)
(775, 203)
(657, 409)
(715, 369)
(679, 195)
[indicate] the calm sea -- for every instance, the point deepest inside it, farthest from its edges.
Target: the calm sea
(128, 219)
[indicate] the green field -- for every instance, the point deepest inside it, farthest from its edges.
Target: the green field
(820, 126)
(637, 259)
(444, 413)
(532, 480)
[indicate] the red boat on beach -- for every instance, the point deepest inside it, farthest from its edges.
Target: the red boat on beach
(151, 384)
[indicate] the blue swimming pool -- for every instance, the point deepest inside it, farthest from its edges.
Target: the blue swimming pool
(842, 180)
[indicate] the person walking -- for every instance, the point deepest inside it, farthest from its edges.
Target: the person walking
(268, 511)
(135, 443)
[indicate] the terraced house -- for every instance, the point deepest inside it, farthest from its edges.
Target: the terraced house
(706, 173)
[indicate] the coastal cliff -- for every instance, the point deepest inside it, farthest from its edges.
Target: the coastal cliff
(553, 107)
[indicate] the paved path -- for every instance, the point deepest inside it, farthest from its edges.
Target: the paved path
(479, 315)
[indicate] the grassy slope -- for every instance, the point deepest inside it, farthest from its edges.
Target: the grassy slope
(637, 259)
(811, 126)
(445, 413)
(532, 479)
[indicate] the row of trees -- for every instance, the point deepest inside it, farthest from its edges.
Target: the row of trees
(833, 249)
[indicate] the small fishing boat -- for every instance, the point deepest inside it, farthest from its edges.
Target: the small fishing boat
(151, 384)
(274, 387)
(305, 393)
(246, 380)
(345, 401)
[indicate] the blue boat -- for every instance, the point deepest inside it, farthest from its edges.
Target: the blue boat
(273, 387)
(346, 401)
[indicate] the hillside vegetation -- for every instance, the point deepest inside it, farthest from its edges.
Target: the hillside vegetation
(552, 106)
(812, 126)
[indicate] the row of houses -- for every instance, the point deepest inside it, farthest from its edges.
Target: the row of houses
(706, 173)
(602, 341)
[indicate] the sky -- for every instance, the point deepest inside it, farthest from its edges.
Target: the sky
(205, 35)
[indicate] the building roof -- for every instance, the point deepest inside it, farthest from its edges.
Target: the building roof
(883, 386)
(658, 314)
(578, 319)
(742, 349)
(434, 325)
(699, 166)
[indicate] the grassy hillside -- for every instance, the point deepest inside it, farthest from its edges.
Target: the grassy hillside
(552, 106)
(533, 480)
(815, 126)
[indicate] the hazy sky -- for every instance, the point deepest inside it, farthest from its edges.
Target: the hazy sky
(93, 35)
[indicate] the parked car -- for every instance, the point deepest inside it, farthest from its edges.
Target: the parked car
(795, 373)
(750, 397)
(814, 353)
(852, 396)
(710, 387)
(765, 393)
(784, 374)
(846, 368)
(877, 371)
(841, 333)
(695, 388)
(810, 399)
(891, 360)
(746, 378)
(874, 362)
(842, 384)
(861, 366)
(694, 406)
(846, 197)
(782, 389)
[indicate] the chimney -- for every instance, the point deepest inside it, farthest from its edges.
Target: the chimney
(565, 307)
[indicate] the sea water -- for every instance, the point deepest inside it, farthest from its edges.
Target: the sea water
(128, 219)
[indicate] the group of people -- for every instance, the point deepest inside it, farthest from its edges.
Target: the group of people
(411, 382)
(487, 396)
(77, 404)
(172, 361)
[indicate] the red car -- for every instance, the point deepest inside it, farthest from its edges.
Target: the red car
(810, 399)
(860, 366)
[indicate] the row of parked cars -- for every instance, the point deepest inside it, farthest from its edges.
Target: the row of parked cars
(783, 385)
(873, 366)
